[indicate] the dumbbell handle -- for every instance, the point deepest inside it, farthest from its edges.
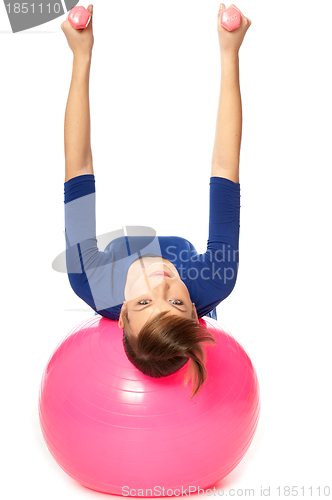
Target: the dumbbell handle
(79, 17)
(230, 19)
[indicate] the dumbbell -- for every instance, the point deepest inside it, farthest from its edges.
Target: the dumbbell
(79, 17)
(230, 19)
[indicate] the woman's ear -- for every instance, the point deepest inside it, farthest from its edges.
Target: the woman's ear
(123, 311)
(195, 315)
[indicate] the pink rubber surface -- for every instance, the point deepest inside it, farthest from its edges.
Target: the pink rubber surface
(79, 17)
(230, 19)
(108, 426)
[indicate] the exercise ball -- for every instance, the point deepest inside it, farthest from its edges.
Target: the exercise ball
(115, 430)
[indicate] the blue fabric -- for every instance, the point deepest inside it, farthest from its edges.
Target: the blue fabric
(212, 314)
(98, 277)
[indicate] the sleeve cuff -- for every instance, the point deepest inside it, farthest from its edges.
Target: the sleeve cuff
(224, 181)
(79, 186)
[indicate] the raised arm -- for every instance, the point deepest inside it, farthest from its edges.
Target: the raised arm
(226, 151)
(78, 155)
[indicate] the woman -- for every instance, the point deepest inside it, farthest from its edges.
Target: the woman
(155, 287)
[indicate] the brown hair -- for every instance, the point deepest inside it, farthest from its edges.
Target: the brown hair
(165, 343)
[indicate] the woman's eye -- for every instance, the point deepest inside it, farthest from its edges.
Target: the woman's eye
(144, 302)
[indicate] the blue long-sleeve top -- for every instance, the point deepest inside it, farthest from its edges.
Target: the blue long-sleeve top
(99, 277)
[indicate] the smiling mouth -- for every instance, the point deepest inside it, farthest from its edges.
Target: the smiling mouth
(160, 273)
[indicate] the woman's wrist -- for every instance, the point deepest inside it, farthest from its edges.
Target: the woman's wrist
(229, 56)
(230, 69)
(83, 58)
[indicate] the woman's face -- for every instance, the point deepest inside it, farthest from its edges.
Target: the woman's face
(153, 285)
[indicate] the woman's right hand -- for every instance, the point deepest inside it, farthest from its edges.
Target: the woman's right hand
(230, 41)
(80, 41)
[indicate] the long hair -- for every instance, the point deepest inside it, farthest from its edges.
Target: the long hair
(165, 344)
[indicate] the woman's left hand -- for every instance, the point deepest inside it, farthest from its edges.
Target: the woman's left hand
(230, 42)
(80, 41)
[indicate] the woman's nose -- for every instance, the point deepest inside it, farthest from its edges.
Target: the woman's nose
(160, 287)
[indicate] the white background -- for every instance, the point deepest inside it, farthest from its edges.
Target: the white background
(154, 91)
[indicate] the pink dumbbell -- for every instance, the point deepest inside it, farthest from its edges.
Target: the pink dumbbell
(230, 19)
(79, 17)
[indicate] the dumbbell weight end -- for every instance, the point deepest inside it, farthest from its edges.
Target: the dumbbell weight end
(79, 17)
(230, 19)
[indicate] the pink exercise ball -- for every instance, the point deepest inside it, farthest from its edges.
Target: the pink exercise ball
(115, 430)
